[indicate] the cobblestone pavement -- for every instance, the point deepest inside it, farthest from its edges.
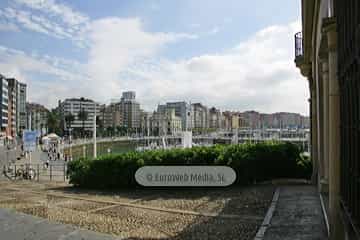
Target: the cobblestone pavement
(223, 213)
(298, 215)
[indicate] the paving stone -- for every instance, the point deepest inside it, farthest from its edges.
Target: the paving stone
(18, 226)
(298, 215)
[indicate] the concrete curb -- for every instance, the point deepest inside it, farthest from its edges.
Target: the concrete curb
(325, 214)
(265, 224)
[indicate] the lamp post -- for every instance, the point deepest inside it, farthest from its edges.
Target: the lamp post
(94, 131)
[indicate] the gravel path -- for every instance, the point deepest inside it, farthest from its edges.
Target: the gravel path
(138, 223)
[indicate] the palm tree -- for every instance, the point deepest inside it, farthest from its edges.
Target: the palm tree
(83, 116)
(69, 119)
(53, 122)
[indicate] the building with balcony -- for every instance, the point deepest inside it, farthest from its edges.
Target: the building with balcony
(17, 95)
(12, 112)
(200, 116)
(83, 111)
(231, 121)
(182, 110)
(3, 106)
(214, 118)
(130, 110)
(37, 116)
(146, 118)
(253, 119)
(327, 52)
(110, 115)
(165, 124)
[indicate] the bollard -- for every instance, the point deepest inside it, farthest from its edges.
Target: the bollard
(15, 172)
(38, 172)
(50, 172)
(64, 173)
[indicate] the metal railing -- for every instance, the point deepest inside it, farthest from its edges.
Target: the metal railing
(348, 73)
(36, 172)
(299, 51)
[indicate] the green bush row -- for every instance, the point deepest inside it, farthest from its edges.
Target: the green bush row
(252, 163)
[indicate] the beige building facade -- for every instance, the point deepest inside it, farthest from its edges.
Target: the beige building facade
(327, 54)
(111, 115)
(165, 123)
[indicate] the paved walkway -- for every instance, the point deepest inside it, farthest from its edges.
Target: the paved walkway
(18, 226)
(298, 215)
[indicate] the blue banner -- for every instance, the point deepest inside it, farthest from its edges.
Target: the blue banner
(29, 139)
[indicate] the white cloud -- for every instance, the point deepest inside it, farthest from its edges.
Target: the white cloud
(64, 12)
(214, 30)
(258, 73)
(115, 44)
(25, 19)
(8, 27)
(58, 75)
(47, 17)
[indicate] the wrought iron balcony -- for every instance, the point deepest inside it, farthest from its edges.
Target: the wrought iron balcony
(298, 45)
(299, 53)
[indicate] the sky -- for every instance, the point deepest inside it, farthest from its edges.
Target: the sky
(231, 54)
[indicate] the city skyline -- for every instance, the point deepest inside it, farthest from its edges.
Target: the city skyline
(165, 56)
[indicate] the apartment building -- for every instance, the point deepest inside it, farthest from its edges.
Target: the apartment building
(3, 106)
(110, 115)
(214, 118)
(130, 110)
(184, 111)
(37, 116)
(165, 123)
(83, 111)
(200, 116)
(17, 98)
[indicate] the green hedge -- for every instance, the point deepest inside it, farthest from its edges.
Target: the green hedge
(252, 163)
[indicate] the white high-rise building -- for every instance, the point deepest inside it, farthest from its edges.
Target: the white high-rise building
(130, 110)
(75, 107)
(3, 106)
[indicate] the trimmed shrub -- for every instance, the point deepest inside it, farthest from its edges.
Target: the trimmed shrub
(252, 163)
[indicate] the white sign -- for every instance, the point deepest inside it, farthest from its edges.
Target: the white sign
(185, 176)
(186, 139)
(29, 139)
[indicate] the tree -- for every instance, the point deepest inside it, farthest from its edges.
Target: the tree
(110, 131)
(69, 119)
(83, 116)
(120, 130)
(53, 122)
(99, 122)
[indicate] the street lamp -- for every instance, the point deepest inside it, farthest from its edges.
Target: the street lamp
(94, 131)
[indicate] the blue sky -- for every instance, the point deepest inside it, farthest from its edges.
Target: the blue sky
(231, 54)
